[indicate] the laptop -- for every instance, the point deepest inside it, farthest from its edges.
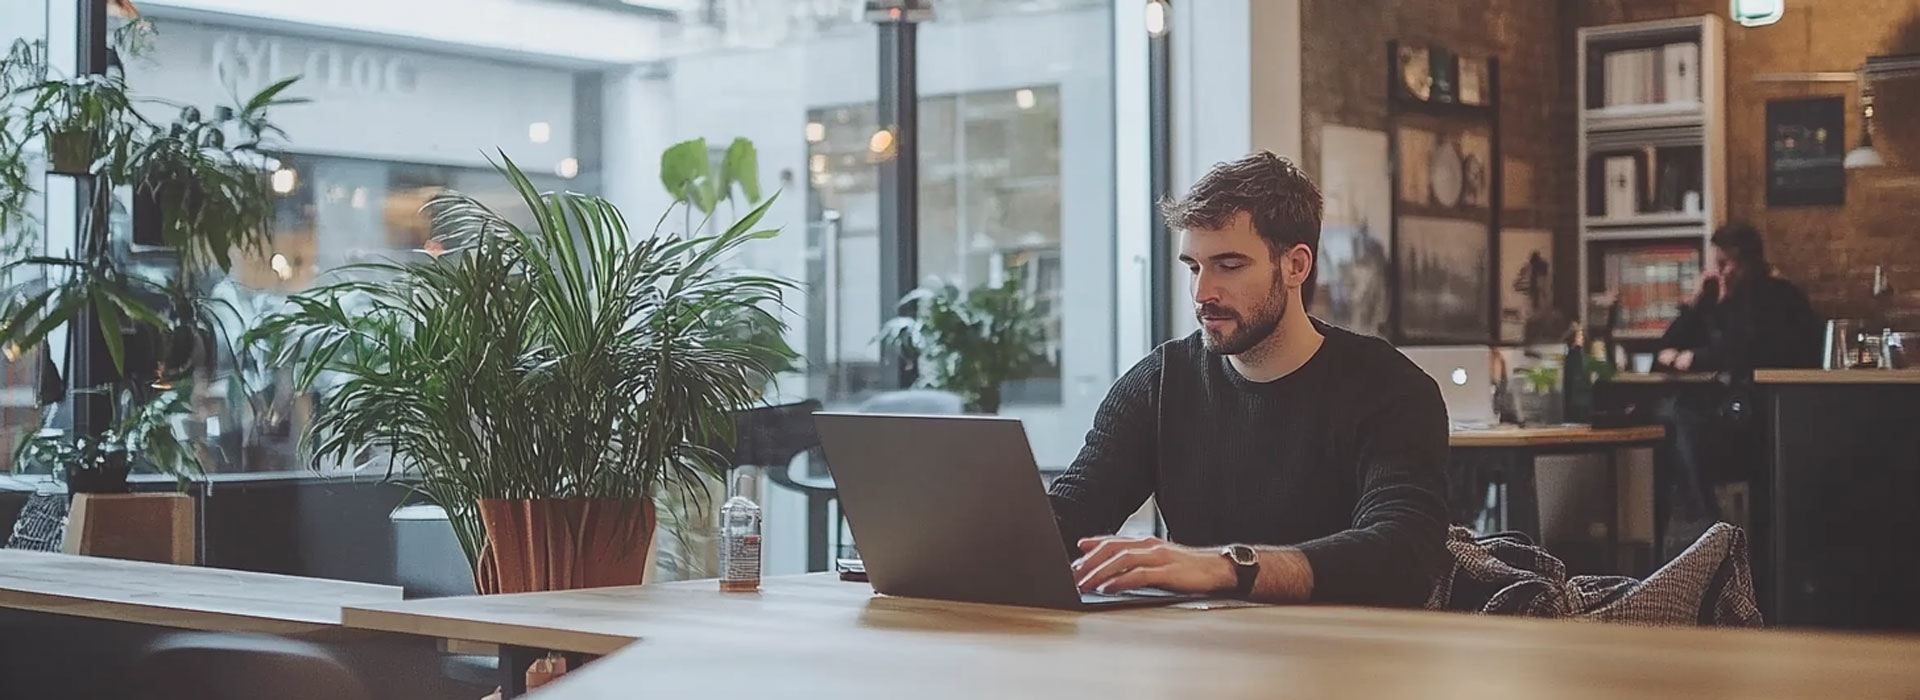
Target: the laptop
(953, 508)
(1465, 376)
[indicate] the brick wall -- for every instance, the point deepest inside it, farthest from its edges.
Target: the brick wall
(1829, 251)
(1344, 45)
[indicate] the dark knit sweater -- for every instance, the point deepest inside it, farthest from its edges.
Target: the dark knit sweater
(1345, 458)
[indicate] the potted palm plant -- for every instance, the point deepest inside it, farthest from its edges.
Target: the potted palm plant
(544, 381)
(970, 342)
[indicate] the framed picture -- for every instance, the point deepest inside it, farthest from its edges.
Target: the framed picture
(1443, 280)
(1527, 312)
(1355, 256)
(1416, 164)
(1806, 152)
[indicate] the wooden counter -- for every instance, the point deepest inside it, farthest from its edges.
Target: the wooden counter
(1786, 376)
(183, 597)
(1554, 436)
(815, 637)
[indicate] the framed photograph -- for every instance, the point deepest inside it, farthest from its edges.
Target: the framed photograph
(1355, 257)
(1445, 296)
(1806, 152)
(1416, 164)
(1527, 312)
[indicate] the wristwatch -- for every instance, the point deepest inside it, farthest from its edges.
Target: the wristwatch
(1246, 567)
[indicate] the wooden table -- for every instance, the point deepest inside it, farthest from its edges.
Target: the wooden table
(816, 637)
(1511, 452)
(183, 597)
(1584, 436)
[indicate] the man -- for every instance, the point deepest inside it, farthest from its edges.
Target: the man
(1293, 461)
(1742, 317)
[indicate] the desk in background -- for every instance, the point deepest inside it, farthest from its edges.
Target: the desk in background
(1505, 458)
(1834, 487)
(816, 637)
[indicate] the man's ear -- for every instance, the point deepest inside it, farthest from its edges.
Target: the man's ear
(1298, 265)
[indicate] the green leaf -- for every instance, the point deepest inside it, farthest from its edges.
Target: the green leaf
(741, 166)
(265, 98)
(687, 172)
(108, 318)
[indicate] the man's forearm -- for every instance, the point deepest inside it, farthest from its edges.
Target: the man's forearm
(1285, 576)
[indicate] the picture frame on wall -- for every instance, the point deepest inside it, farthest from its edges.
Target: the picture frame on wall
(1806, 152)
(1526, 278)
(1353, 272)
(1443, 280)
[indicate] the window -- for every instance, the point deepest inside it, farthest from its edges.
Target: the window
(24, 26)
(392, 121)
(1017, 124)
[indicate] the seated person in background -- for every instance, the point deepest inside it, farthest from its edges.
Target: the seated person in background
(1741, 316)
(1293, 461)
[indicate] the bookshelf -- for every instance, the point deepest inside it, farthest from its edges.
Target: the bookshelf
(1652, 167)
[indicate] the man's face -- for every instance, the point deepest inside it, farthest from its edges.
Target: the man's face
(1239, 292)
(1728, 267)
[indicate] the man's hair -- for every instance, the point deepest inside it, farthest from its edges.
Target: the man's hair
(1283, 203)
(1743, 241)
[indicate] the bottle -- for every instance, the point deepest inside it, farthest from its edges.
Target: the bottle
(740, 539)
(1576, 384)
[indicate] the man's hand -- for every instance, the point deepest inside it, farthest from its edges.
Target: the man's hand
(1681, 360)
(1116, 564)
(1700, 288)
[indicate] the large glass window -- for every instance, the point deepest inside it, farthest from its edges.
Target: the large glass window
(23, 28)
(389, 124)
(1017, 119)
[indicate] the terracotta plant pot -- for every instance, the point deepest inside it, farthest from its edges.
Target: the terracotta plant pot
(563, 544)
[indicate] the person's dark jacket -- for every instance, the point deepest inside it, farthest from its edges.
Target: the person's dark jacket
(1767, 323)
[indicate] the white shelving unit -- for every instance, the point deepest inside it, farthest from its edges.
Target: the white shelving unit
(1637, 127)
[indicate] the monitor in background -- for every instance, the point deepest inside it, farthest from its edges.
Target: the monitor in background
(1464, 373)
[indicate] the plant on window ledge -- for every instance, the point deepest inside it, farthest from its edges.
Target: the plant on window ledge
(199, 187)
(970, 342)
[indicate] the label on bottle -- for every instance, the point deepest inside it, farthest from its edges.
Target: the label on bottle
(740, 561)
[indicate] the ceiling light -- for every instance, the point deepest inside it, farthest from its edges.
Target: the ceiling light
(1156, 17)
(568, 168)
(539, 132)
(1023, 98)
(816, 132)
(283, 180)
(1757, 13)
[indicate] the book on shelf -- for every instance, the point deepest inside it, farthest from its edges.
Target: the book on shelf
(1652, 283)
(1621, 198)
(1659, 75)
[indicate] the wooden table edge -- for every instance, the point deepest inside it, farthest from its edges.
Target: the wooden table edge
(503, 634)
(1597, 437)
(162, 615)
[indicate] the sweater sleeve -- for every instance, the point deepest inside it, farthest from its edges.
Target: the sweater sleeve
(1396, 549)
(1114, 472)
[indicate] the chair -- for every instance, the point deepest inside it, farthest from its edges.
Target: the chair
(771, 437)
(42, 523)
(428, 563)
(218, 666)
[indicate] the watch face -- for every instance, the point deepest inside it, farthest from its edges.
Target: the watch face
(1242, 555)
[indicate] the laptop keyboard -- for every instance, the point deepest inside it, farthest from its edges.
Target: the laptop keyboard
(1098, 598)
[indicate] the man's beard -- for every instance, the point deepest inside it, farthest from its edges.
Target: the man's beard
(1247, 331)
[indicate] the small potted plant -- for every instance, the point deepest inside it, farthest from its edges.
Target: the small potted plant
(970, 342)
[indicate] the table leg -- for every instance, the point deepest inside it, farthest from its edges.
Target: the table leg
(514, 662)
(1613, 512)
